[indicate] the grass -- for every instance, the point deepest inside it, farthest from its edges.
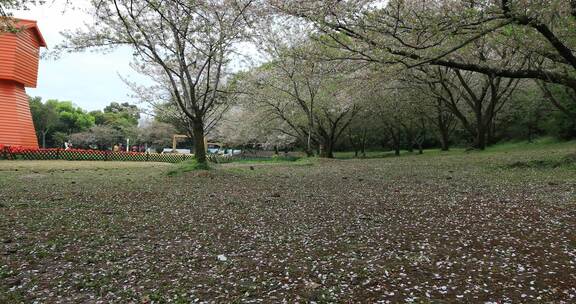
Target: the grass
(544, 164)
(538, 144)
(544, 143)
(274, 159)
(188, 166)
(455, 227)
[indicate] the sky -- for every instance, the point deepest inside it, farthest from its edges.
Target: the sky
(90, 80)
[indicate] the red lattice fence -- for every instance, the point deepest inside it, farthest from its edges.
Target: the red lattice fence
(11, 152)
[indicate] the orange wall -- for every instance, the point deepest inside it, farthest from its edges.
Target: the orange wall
(16, 126)
(19, 57)
(19, 54)
(27, 54)
(8, 46)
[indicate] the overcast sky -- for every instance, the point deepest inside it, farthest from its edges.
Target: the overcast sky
(90, 80)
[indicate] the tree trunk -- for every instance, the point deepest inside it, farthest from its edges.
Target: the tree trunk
(444, 139)
(396, 144)
(308, 149)
(444, 128)
(410, 146)
(480, 141)
(44, 139)
(363, 143)
(395, 139)
(481, 129)
(330, 150)
(199, 145)
(491, 132)
(355, 145)
(327, 149)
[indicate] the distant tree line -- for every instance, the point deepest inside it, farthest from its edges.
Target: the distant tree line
(57, 122)
(324, 90)
(450, 71)
(343, 74)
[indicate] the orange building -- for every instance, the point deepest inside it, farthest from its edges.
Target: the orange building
(19, 55)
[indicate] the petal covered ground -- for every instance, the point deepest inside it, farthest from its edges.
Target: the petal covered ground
(460, 227)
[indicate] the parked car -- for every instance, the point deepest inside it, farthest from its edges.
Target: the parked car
(214, 148)
(229, 152)
(176, 151)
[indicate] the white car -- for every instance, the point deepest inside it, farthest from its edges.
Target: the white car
(229, 152)
(177, 151)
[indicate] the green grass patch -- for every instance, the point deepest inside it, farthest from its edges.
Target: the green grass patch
(387, 154)
(188, 166)
(540, 144)
(93, 226)
(273, 159)
(255, 160)
(566, 161)
(537, 144)
(368, 155)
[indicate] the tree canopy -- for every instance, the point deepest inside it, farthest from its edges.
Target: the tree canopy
(337, 74)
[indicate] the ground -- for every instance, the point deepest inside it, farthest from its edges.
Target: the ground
(479, 227)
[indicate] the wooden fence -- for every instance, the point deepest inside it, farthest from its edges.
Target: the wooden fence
(15, 153)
